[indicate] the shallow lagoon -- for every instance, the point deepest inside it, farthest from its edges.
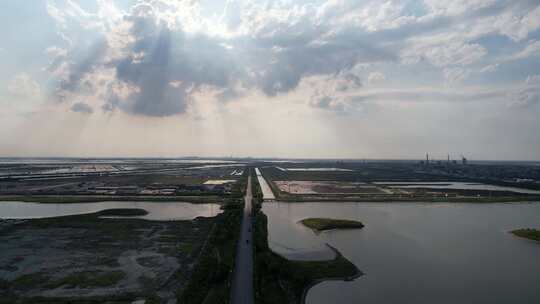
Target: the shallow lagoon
(162, 211)
(456, 186)
(418, 252)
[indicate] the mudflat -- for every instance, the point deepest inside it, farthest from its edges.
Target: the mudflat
(88, 256)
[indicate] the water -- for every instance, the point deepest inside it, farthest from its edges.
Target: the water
(161, 211)
(265, 188)
(314, 169)
(456, 185)
(419, 252)
(215, 166)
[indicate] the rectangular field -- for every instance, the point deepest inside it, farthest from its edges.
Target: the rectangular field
(328, 187)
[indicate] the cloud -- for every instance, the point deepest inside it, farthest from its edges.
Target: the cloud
(147, 51)
(81, 107)
(456, 7)
(336, 104)
(430, 94)
(489, 68)
(531, 49)
(443, 53)
(309, 50)
(528, 94)
(533, 80)
(375, 77)
(518, 24)
(157, 57)
(23, 86)
(332, 93)
(454, 75)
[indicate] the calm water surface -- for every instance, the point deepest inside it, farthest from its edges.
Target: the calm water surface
(265, 188)
(418, 253)
(156, 210)
(456, 185)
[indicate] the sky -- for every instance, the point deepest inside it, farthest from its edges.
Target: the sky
(282, 78)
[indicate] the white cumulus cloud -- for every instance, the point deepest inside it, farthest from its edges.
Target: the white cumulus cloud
(23, 86)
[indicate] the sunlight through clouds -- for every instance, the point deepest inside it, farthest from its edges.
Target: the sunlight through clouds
(177, 64)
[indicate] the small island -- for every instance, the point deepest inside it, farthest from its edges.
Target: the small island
(120, 212)
(321, 224)
(528, 233)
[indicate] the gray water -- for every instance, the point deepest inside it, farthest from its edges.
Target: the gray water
(456, 185)
(161, 211)
(418, 253)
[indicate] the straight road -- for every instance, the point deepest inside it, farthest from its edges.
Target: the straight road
(242, 285)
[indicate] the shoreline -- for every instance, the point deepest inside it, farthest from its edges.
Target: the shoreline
(338, 254)
(73, 199)
(470, 200)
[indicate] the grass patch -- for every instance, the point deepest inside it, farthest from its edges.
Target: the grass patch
(279, 280)
(185, 248)
(29, 281)
(211, 279)
(528, 233)
(211, 275)
(321, 224)
(123, 212)
(119, 299)
(68, 199)
(86, 279)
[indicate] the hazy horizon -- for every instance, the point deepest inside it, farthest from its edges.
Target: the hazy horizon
(269, 158)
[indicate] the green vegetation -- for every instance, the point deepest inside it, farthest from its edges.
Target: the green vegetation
(123, 212)
(278, 280)
(84, 279)
(186, 248)
(211, 279)
(101, 241)
(66, 199)
(119, 299)
(299, 198)
(88, 279)
(256, 189)
(29, 281)
(528, 233)
(321, 224)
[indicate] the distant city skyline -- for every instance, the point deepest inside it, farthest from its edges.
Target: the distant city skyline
(288, 79)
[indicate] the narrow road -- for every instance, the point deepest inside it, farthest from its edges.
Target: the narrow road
(242, 285)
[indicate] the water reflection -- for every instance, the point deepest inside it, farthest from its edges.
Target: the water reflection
(156, 210)
(420, 252)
